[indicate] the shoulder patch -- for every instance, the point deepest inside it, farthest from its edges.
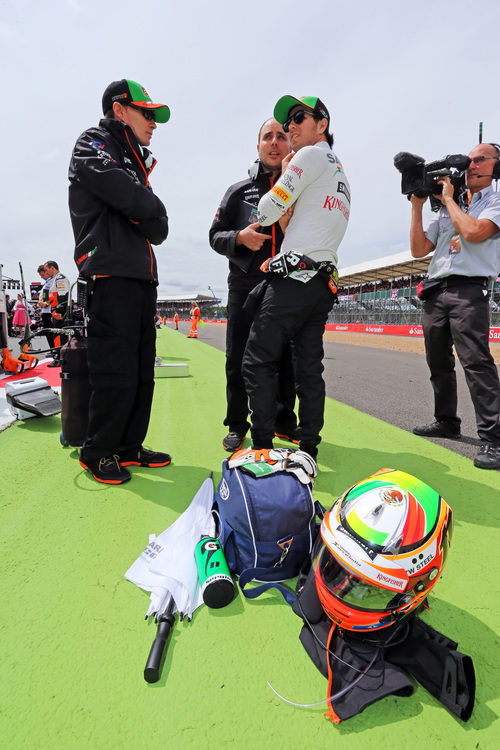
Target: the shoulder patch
(342, 188)
(281, 193)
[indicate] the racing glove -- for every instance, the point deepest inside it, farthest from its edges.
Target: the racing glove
(302, 465)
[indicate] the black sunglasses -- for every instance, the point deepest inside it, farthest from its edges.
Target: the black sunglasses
(297, 118)
(146, 113)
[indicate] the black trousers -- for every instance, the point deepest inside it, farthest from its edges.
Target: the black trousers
(239, 323)
(459, 316)
(121, 355)
(47, 323)
(55, 340)
(289, 311)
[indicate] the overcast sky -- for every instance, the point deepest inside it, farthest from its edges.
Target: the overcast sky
(396, 76)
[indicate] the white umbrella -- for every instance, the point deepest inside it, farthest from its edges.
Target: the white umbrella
(167, 566)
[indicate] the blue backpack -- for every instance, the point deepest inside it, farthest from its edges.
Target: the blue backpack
(267, 525)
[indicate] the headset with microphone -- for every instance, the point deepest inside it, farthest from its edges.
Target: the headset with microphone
(495, 175)
(496, 170)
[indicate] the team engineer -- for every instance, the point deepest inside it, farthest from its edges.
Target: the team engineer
(312, 199)
(58, 292)
(116, 219)
(466, 243)
(235, 234)
(43, 301)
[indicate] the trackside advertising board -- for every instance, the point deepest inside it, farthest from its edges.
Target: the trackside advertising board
(406, 330)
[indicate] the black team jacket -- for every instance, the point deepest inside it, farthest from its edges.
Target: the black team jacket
(236, 212)
(116, 217)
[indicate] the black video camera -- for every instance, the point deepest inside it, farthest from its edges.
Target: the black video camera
(421, 179)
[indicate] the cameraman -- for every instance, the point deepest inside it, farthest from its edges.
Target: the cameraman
(466, 240)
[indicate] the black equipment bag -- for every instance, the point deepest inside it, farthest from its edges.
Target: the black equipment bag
(267, 523)
(75, 391)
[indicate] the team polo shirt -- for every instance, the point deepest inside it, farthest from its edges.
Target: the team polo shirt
(472, 258)
(315, 183)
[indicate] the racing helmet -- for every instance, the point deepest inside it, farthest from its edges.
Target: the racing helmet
(381, 549)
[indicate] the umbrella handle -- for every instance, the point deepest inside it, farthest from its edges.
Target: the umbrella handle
(152, 669)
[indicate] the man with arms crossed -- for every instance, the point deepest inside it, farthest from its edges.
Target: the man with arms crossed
(116, 219)
(466, 243)
(298, 296)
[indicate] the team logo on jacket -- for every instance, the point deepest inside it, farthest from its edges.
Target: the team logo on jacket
(281, 193)
(101, 153)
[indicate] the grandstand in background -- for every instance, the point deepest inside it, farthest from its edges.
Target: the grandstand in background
(385, 291)
(382, 291)
(210, 307)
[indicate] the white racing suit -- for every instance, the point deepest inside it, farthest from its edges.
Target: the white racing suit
(295, 308)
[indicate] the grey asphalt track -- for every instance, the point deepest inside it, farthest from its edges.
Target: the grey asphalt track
(390, 385)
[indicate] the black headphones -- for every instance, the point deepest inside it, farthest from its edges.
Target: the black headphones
(496, 169)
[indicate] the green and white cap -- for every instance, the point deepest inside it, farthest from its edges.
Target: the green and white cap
(286, 103)
(126, 92)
